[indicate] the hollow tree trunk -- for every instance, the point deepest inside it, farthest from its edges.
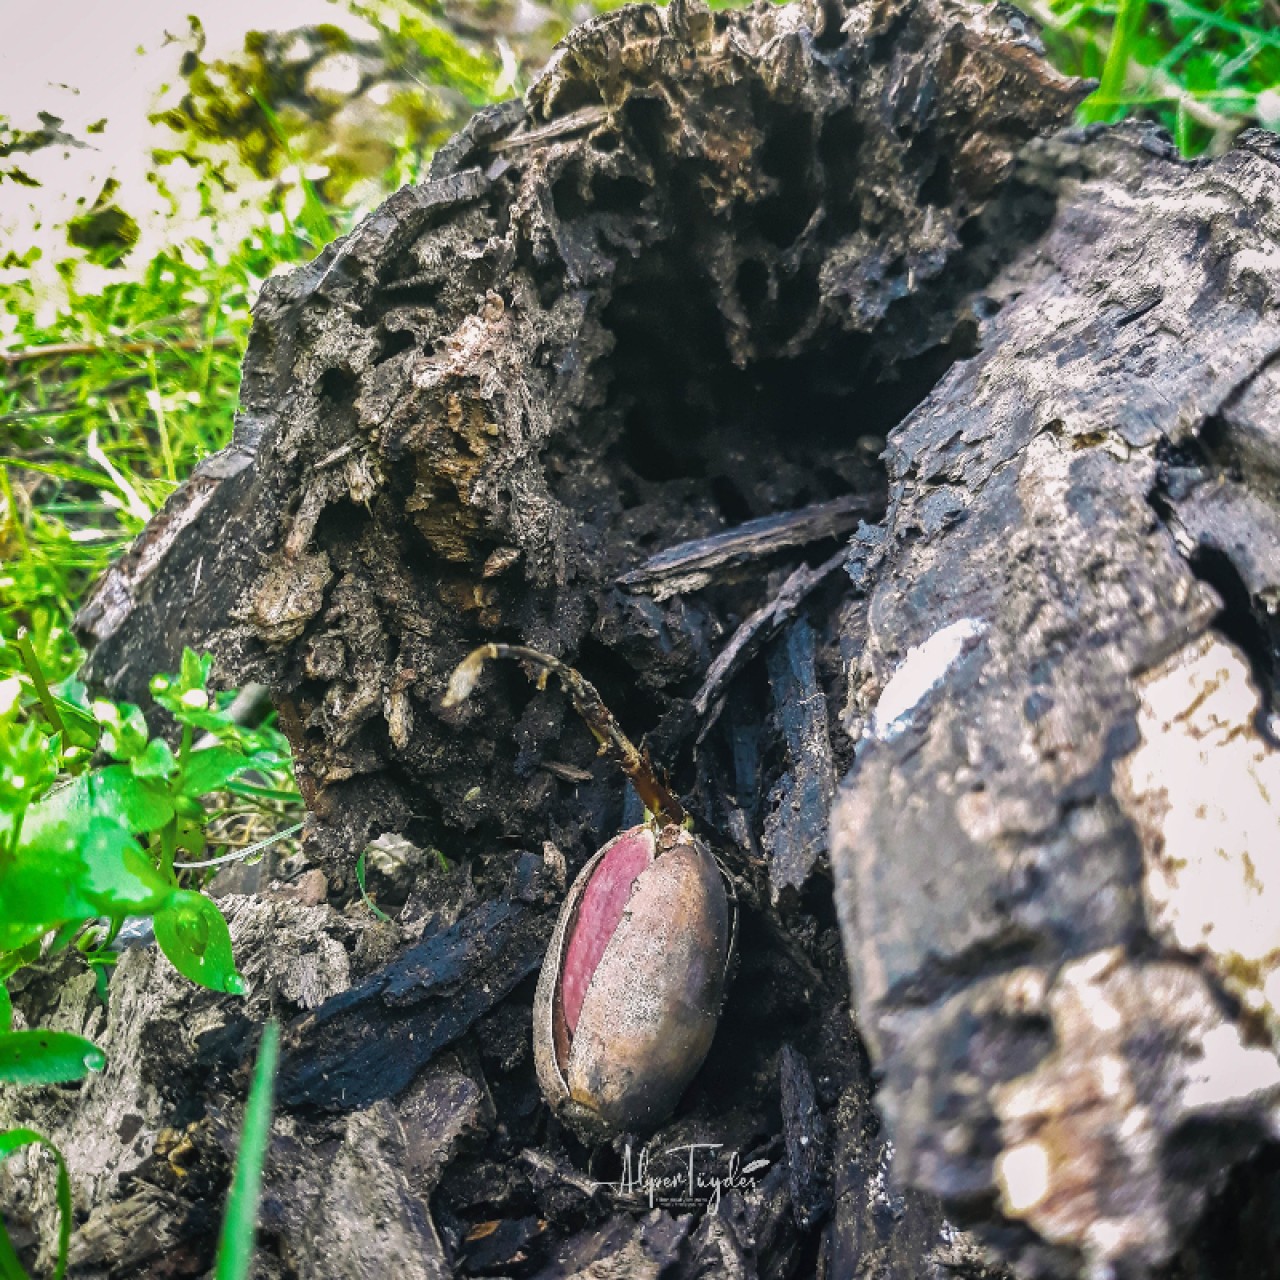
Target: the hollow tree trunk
(692, 281)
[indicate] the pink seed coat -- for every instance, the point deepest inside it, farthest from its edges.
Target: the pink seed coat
(599, 913)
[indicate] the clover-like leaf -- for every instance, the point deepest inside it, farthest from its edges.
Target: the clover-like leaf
(156, 761)
(211, 769)
(47, 1057)
(139, 804)
(195, 939)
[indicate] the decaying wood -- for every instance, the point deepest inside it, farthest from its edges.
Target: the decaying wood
(759, 626)
(692, 281)
(694, 565)
(1050, 855)
(369, 1042)
(808, 1156)
(795, 829)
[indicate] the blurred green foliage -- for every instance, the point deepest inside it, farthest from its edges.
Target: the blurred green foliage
(1202, 69)
(112, 406)
(99, 820)
(102, 822)
(239, 1225)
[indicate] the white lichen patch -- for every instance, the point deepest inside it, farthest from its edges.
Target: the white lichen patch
(1023, 1175)
(923, 669)
(1083, 1134)
(1203, 790)
(1230, 1071)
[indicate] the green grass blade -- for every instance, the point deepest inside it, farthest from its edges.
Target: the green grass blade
(1116, 69)
(58, 470)
(368, 901)
(235, 1248)
(10, 1267)
(32, 664)
(10, 1141)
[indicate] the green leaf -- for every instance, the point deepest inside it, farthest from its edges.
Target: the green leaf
(28, 764)
(124, 728)
(249, 791)
(192, 710)
(13, 1140)
(18, 936)
(195, 939)
(36, 675)
(116, 794)
(141, 804)
(103, 872)
(155, 762)
(75, 693)
(47, 1057)
(6, 1010)
(38, 892)
(119, 879)
(268, 743)
(195, 670)
(82, 728)
(13, 959)
(211, 769)
(235, 1246)
(185, 696)
(188, 807)
(190, 837)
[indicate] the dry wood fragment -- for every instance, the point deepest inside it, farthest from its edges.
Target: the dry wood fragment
(692, 565)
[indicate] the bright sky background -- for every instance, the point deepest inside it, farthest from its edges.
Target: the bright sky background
(83, 60)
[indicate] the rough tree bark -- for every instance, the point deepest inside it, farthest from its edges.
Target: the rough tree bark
(690, 282)
(1057, 869)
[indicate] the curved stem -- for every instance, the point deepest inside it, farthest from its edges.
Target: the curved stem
(587, 702)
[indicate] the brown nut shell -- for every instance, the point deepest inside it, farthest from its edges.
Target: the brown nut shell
(650, 1010)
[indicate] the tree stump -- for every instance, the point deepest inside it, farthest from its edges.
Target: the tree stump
(616, 383)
